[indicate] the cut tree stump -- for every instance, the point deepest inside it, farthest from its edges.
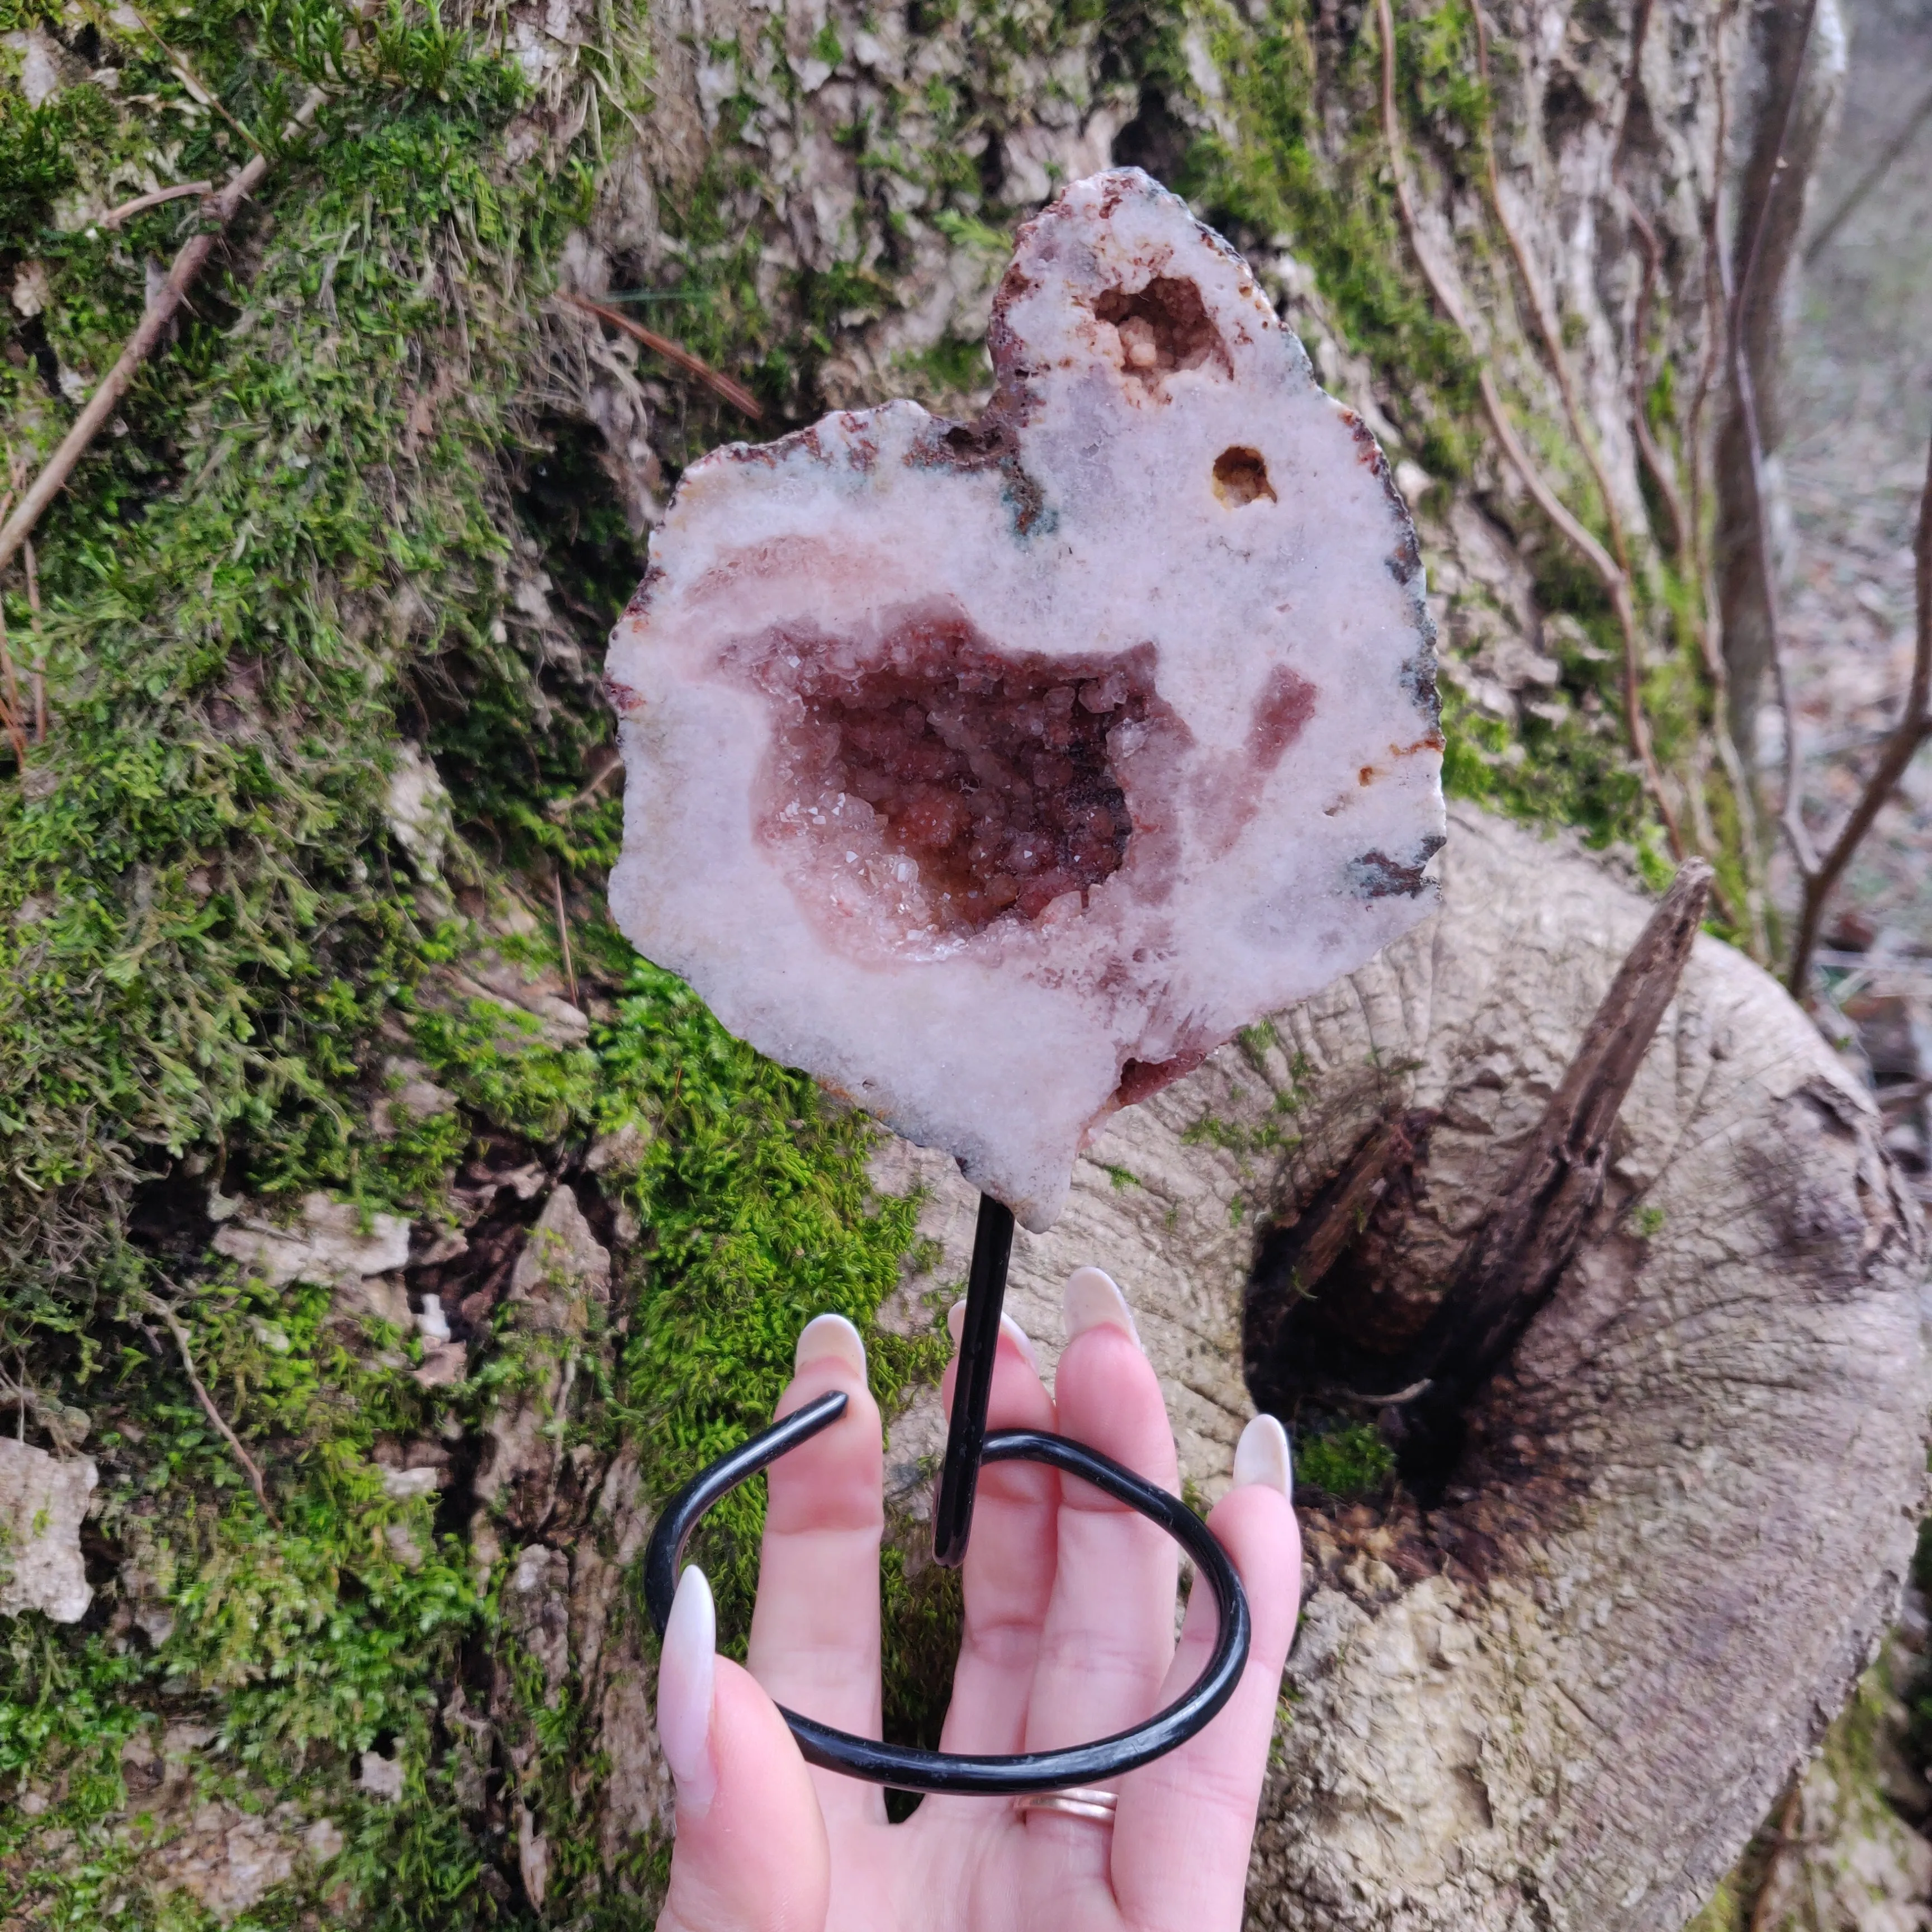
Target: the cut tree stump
(1676, 1523)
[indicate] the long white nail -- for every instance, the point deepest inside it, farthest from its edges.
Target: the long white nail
(1262, 1457)
(687, 1683)
(832, 1336)
(1094, 1300)
(955, 1327)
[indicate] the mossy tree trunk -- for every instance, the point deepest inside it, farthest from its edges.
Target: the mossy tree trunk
(344, 1150)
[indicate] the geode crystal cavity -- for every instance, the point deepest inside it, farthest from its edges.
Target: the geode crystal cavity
(996, 772)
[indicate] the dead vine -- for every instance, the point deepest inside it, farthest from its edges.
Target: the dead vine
(38, 677)
(1737, 290)
(10, 720)
(1546, 319)
(1818, 873)
(1606, 569)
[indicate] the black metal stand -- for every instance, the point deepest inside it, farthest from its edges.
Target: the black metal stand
(972, 1386)
(968, 1446)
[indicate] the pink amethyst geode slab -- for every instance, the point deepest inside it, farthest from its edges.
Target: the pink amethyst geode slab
(997, 772)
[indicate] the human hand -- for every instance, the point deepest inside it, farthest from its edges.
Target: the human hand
(1069, 1635)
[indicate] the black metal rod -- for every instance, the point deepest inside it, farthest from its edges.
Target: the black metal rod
(973, 1386)
(900, 1765)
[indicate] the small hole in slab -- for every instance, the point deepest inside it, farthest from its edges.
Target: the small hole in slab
(1240, 476)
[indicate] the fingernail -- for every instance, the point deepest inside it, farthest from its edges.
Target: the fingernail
(955, 1327)
(830, 1336)
(1094, 1300)
(1262, 1457)
(687, 1675)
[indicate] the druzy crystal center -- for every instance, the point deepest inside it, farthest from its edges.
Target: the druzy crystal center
(959, 783)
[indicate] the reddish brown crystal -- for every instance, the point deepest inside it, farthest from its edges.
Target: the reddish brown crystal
(991, 770)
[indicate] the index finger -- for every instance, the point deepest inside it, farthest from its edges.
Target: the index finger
(815, 1628)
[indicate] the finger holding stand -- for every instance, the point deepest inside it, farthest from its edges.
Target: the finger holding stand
(968, 1446)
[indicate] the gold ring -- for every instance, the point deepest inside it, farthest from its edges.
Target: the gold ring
(1081, 1802)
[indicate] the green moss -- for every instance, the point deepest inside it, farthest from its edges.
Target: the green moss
(208, 942)
(1269, 182)
(762, 1216)
(1348, 1461)
(1723, 1911)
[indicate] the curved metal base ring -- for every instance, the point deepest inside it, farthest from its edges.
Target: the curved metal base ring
(901, 1766)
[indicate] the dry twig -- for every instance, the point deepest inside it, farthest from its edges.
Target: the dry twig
(142, 203)
(734, 392)
(1914, 728)
(10, 691)
(188, 264)
(1615, 580)
(612, 764)
(38, 677)
(173, 1323)
(563, 936)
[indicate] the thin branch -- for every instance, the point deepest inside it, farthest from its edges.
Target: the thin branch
(1914, 728)
(1615, 580)
(11, 715)
(612, 764)
(198, 89)
(563, 935)
(1869, 180)
(221, 209)
(10, 691)
(1713, 349)
(142, 203)
(38, 677)
(1737, 303)
(734, 392)
(172, 1321)
(1677, 538)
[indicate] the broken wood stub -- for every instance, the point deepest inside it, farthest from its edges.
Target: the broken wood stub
(1394, 1352)
(1515, 1259)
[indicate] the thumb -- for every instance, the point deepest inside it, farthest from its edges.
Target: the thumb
(750, 1854)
